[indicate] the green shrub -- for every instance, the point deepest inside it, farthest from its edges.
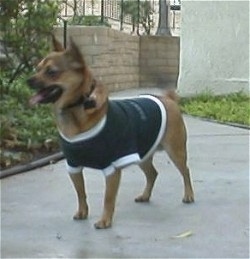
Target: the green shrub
(226, 108)
(24, 29)
(25, 131)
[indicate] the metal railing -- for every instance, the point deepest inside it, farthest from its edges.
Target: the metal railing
(113, 11)
(106, 8)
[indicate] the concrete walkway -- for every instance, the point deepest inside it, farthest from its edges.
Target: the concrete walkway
(37, 207)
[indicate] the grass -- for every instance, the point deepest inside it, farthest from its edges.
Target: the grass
(233, 108)
(28, 133)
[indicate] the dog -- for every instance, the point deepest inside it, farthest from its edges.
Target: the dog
(86, 117)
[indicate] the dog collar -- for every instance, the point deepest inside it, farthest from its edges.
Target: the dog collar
(85, 100)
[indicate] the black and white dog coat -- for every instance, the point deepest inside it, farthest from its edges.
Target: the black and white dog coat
(129, 133)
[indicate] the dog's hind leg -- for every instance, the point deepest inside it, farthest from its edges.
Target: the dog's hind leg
(176, 150)
(78, 182)
(112, 186)
(151, 174)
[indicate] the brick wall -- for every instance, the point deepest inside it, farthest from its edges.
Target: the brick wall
(123, 61)
(159, 61)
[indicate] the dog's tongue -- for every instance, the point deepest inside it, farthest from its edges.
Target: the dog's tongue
(36, 99)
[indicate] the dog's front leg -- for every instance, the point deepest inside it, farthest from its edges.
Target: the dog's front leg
(78, 182)
(112, 186)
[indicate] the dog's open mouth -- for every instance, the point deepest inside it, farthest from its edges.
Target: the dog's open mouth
(48, 94)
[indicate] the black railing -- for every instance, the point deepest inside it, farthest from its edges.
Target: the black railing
(103, 8)
(111, 10)
(64, 30)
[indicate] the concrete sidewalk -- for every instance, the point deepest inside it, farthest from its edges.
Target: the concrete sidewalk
(37, 207)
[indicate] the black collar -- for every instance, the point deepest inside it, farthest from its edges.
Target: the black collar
(84, 100)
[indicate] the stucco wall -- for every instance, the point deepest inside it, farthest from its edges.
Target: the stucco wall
(124, 61)
(214, 47)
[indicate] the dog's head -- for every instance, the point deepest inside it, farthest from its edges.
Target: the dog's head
(62, 78)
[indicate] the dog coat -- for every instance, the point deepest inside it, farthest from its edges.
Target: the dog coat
(129, 133)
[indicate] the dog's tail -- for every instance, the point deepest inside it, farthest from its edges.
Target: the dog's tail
(171, 94)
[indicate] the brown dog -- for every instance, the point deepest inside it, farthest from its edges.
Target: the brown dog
(82, 109)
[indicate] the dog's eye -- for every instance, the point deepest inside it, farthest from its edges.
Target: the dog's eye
(51, 72)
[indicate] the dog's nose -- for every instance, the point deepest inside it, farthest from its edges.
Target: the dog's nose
(31, 82)
(35, 83)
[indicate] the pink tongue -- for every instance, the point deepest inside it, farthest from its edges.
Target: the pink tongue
(35, 99)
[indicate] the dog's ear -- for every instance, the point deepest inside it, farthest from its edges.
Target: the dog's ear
(75, 54)
(57, 46)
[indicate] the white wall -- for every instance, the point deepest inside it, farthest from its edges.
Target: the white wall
(214, 47)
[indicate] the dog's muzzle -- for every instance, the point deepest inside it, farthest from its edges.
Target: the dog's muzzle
(45, 94)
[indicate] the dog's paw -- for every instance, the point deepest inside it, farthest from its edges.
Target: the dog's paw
(103, 224)
(80, 215)
(142, 198)
(188, 199)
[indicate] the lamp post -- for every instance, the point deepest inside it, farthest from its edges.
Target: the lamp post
(121, 16)
(138, 17)
(102, 11)
(163, 24)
